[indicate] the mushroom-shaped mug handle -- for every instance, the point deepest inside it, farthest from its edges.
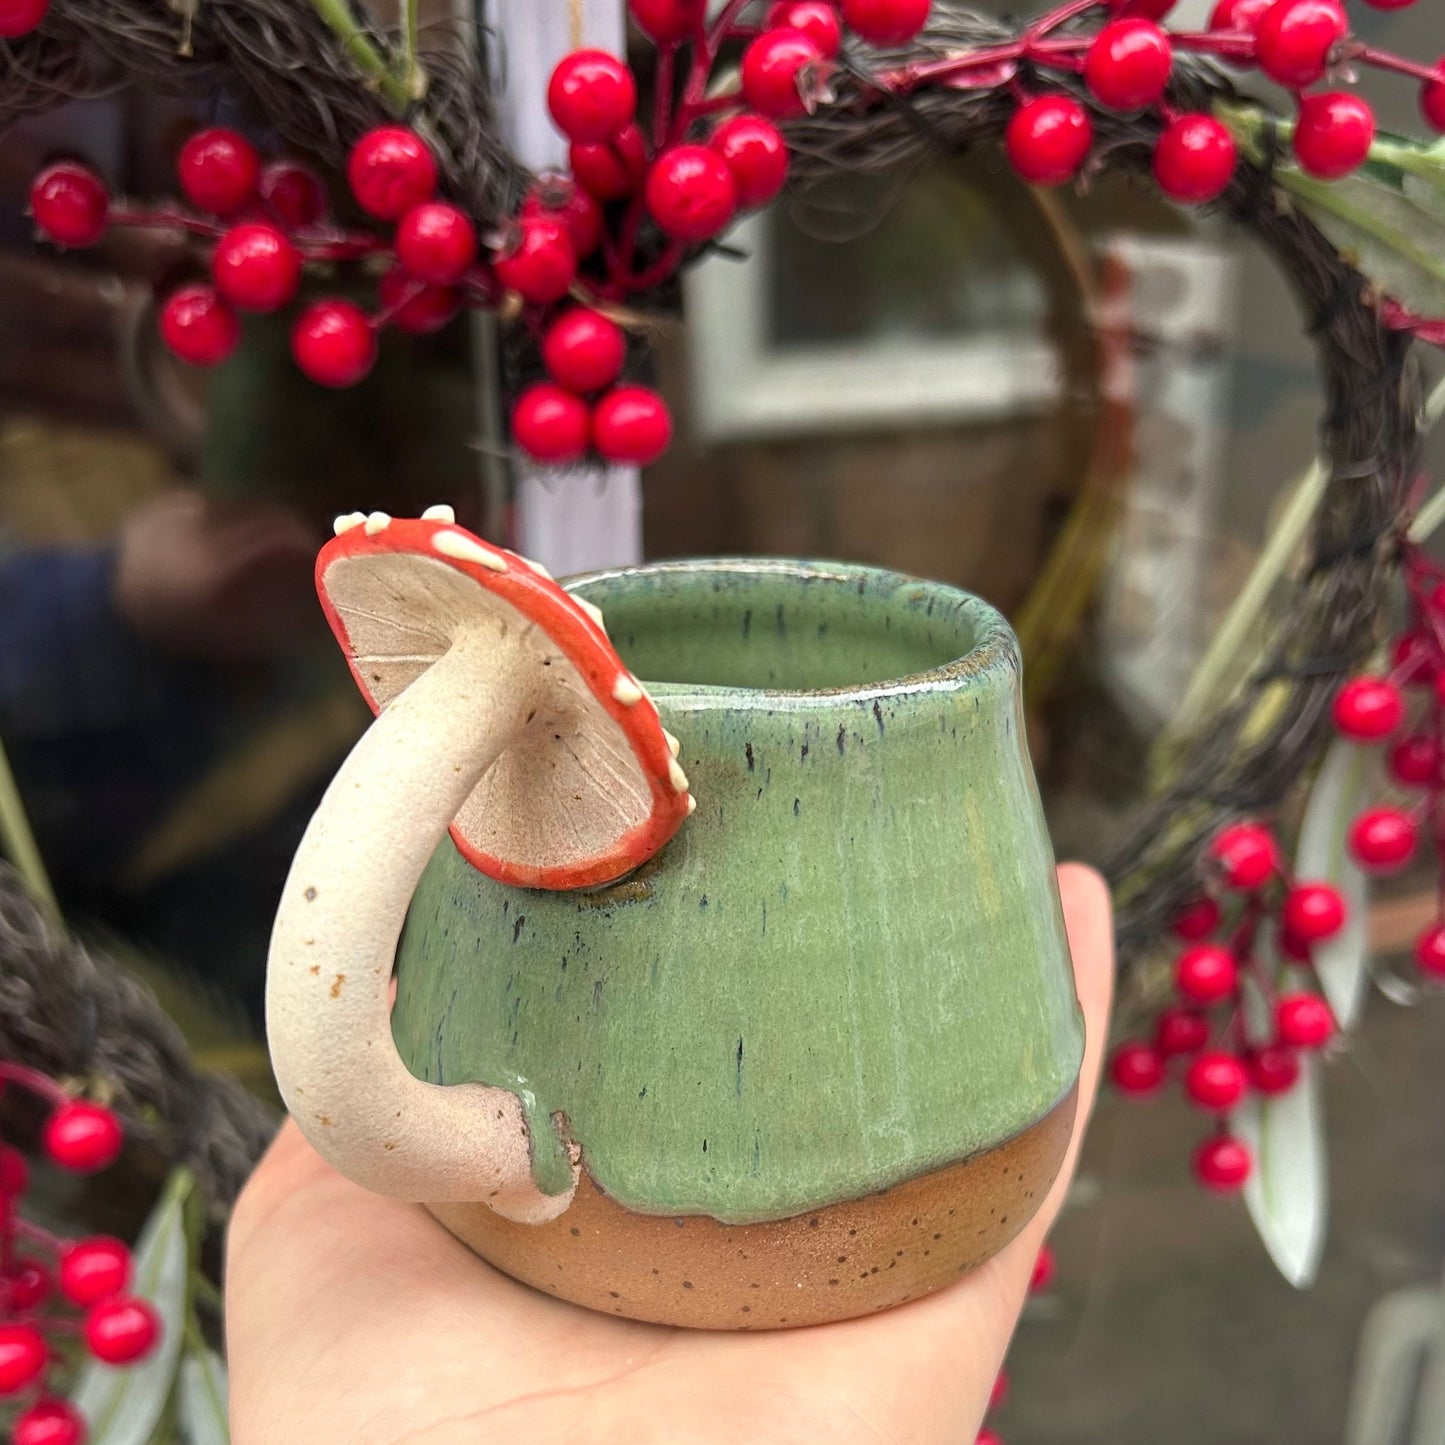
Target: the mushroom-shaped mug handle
(500, 704)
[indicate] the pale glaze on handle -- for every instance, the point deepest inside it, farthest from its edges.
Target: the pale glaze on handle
(328, 1013)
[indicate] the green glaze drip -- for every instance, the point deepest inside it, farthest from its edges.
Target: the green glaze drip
(848, 968)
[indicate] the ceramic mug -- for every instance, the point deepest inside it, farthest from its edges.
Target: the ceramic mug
(818, 1055)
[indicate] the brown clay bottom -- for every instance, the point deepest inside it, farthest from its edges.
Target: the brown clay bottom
(829, 1264)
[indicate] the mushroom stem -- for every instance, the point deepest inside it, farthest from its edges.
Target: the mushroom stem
(328, 1008)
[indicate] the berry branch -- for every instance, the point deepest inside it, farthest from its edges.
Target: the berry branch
(57, 1294)
(639, 201)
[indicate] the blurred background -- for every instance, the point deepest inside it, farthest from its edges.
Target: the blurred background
(1086, 408)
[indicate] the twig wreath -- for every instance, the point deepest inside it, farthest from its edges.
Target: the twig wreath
(767, 94)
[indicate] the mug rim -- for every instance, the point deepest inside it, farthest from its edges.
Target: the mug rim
(995, 646)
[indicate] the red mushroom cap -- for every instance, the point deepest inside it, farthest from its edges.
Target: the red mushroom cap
(539, 817)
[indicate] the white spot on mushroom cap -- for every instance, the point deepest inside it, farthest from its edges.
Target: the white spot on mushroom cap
(626, 691)
(346, 522)
(461, 548)
(674, 744)
(691, 805)
(377, 522)
(440, 513)
(538, 568)
(593, 611)
(676, 777)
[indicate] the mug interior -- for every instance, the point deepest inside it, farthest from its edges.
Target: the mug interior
(787, 627)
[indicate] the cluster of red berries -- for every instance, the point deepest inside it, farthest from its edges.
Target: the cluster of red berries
(53, 1289)
(1127, 66)
(639, 196)
(1206, 1031)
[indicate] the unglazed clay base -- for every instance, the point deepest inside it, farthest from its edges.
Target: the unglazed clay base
(829, 1264)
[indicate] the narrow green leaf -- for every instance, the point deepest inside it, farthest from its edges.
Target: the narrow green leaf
(125, 1406)
(1385, 218)
(204, 1397)
(1347, 782)
(1287, 1193)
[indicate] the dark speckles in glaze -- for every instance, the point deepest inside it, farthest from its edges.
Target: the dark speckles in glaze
(517, 926)
(873, 884)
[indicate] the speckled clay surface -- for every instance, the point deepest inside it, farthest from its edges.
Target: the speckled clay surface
(847, 971)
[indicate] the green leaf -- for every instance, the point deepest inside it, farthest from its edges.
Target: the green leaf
(125, 1406)
(1387, 218)
(1347, 781)
(204, 1397)
(1287, 1193)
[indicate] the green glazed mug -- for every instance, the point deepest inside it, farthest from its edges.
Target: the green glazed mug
(818, 1055)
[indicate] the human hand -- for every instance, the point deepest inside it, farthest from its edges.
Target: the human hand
(350, 1317)
(216, 579)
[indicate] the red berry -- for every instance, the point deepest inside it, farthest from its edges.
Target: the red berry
(1246, 854)
(1415, 761)
(94, 1269)
(82, 1137)
(561, 198)
(1196, 920)
(30, 1285)
(690, 193)
(612, 169)
(1180, 1031)
(668, 21)
(22, 1357)
(121, 1331)
(1413, 660)
(591, 96)
(435, 242)
(199, 326)
(1222, 1164)
(1194, 160)
(550, 424)
(14, 1173)
(50, 1422)
(1216, 1082)
(631, 425)
(1333, 134)
(986, 1436)
(1149, 9)
(1238, 14)
(1045, 1268)
(1383, 839)
(20, 17)
(333, 343)
(256, 268)
(1294, 38)
(390, 171)
(1206, 973)
(783, 73)
(755, 154)
(1432, 98)
(999, 1394)
(292, 194)
(1273, 1070)
(1430, 952)
(1303, 1020)
(541, 263)
(1136, 1069)
(1294, 950)
(886, 22)
(218, 171)
(416, 309)
(817, 19)
(584, 351)
(1313, 911)
(70, 204)
(1128, 64)
(1368, 709)
(1048, 139)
